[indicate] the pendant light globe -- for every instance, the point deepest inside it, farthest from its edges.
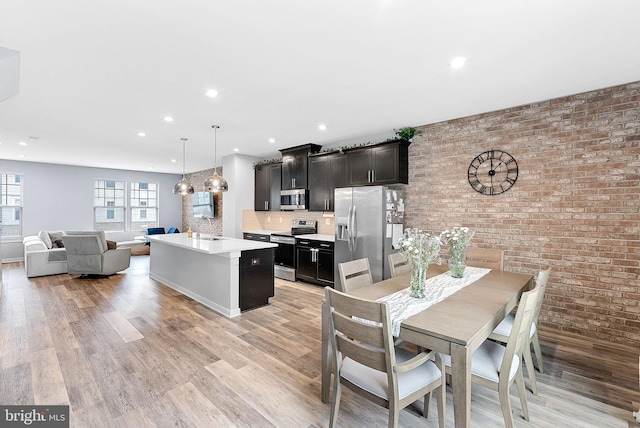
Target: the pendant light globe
(183, 187)
(216, 183)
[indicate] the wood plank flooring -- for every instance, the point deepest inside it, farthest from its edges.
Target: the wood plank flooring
(126, 351)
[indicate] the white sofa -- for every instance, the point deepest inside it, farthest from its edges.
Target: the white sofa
(42, 257)
(39, 260)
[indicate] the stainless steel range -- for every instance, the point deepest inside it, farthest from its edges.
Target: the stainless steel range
(285, 254)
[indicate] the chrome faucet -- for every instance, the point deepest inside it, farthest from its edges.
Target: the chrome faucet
(197, 230)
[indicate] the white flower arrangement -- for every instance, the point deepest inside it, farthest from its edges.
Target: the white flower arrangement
(457, 238)
(419, 248)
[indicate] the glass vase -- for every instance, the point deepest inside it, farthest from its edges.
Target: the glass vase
(456, 267)
(418, 279)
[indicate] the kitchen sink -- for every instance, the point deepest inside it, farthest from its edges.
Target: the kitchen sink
(210, 238)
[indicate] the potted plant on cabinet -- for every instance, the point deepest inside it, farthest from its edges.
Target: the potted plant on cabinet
(406, 133)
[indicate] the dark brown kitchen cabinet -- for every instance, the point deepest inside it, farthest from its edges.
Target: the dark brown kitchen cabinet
(267, 187)
(326, 172)
(294, 166)
(386, 163)
(315, 261)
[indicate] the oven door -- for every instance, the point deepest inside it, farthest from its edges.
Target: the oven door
(284, 257)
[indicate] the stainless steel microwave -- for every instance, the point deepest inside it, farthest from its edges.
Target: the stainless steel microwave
(296, 199)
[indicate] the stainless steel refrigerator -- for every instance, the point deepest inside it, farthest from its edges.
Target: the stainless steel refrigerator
(369, 220)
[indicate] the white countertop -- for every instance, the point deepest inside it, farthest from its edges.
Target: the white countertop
(210, 246)
(318, 237)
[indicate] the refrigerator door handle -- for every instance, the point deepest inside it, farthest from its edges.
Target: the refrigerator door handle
(350, 229)
(354, 232)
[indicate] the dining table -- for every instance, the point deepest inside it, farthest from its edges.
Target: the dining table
(456, 326)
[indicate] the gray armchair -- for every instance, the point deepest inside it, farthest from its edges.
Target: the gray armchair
(87, 253)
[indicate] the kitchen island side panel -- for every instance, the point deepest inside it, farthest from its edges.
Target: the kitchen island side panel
(211, 279)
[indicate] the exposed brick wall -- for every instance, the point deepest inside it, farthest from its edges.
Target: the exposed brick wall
(213, 226)
(574, 207)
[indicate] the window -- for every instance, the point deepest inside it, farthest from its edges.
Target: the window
(109, 205)
(143, 200)
(10, 205)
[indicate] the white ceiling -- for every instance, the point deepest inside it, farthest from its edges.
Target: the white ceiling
(94, 74)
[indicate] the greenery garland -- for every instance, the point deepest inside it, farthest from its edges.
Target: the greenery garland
(403, 134)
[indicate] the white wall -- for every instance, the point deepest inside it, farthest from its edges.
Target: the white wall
(238, 171)
(61, 196)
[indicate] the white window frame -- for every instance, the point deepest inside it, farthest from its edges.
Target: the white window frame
(105, 201)
(11, 204)
(144, 199)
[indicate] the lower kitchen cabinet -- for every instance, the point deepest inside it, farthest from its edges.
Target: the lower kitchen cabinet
(256, 278)
(314, 261)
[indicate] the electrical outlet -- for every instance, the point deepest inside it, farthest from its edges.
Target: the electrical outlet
(280, 219)
(327, 221)
(269, 219)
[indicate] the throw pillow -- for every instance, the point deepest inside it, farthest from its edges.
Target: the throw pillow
(111, 245)
(44, 236)
(59, 243)
(55, 236)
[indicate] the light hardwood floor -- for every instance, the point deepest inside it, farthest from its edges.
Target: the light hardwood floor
(126, 351)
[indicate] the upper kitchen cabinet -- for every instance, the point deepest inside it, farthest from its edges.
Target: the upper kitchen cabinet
(326, 172)
(267, 187)
(294, 166)
(385, 163)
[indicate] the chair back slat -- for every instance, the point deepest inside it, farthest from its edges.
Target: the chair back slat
(485, 258)
(354, 274)
(398, 264)
(369, 356)
(358, 328)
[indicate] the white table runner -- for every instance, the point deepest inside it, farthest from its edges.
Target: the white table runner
(438, 288)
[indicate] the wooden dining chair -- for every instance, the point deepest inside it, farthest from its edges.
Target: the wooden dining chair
(497, 366)
(503, 330)
(485, 258)
(398, 264)
(355, 274)
(367, 362)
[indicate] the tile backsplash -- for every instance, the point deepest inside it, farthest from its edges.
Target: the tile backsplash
(281, 220)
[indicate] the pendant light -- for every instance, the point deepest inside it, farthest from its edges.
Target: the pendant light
(216, 183)
(183, 187)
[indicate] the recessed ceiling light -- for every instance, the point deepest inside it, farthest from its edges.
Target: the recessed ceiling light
(212, 93)
(141, 134)
(322, 127)
(22, 143)
(150, 167)
(272, 140)
(168, 118)
(236, 150)
(173, 161)
(20, 156)
(458, 62)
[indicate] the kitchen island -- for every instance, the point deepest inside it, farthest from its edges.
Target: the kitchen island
(225, 274)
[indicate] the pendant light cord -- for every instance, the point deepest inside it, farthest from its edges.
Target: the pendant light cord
(184, 155)
(215, 147)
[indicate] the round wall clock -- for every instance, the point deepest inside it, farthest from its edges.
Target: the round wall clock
(493, 172)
